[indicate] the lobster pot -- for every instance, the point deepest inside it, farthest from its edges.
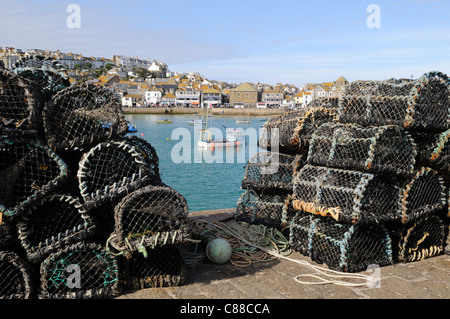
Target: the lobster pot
(19, 103)
(325, 102)
(308, 124)
(422, 195)
(8, 235)
(277, 132)
(272, 210)
(422, 104)
(345, 195)
(29, 171)
(82, 116)
(45, 72)
(149, 217)
(424, 238)
(55, 222)
(150, 156)
(164, 266)
(434, 151)
(272, 171)
(15, 277)
(80, 271)
(384, 149)
(342, 247)
(110, 171)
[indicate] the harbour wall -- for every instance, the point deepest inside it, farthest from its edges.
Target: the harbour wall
(213, 111)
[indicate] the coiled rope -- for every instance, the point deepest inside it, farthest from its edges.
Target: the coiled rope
(257, 243)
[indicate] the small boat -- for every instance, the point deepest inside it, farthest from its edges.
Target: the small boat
(243, 121)
(196, 122)
(132, 128)
(234, 138)
(163, 121)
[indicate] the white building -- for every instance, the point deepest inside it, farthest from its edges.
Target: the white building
(153, 96)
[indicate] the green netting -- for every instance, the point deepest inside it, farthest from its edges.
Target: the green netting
(341, 246)
(80, 271)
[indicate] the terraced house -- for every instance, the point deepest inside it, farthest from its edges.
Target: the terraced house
(272, 98)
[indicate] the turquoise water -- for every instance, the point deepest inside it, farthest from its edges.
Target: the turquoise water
(208, 179)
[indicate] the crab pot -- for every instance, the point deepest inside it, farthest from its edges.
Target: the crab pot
(422, 104)
(325, 102)
(164, 266)
(272, 171)
(342, 247)
(29, 171)
(109, 171)
(384, 149)
(418, 240)
(80, 271)
(434, 151)
(149, 217)
(15, 277)
(20, 105)
(259, 208)
(150, 156)
(45, 72)
(345, 195)
(309, 123)
(8, 235)
(277, 132)
(55, 222)
(82, 116)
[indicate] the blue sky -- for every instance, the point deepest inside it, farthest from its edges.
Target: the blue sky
(245, 40)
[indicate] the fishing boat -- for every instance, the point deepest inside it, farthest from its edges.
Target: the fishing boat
(163, 121)
(234, 138)
(132, 128)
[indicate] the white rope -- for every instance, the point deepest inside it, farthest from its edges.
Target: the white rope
(336, 277)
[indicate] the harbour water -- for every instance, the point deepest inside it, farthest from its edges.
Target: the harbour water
(208, 179)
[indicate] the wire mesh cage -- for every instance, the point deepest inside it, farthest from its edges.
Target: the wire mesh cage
(165, 266)
(55, 222)
(346, 195)
(109, 171)
(149, 217)
(341, 246)
(80, 271)
(383, 149)
(434, 151)
(325, 102)
(29, 170)
(259, 208)
(150, 156)
(15, 277)
(8, 235)
(422, 104)
(20, 105)
(81, 116)
(271, 170)
(309, 123)
(276, 133)
(46, 72)
(424, 238)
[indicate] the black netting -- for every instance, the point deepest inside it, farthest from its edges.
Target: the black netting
(340, 246)
(15, 277)
(80, 271)
(45, 72)
(424, 238)
(57, 221)
(149, 217)
(272, 170)
(384, 149)
(308, 123)
(150, 156)
(82, 116)
(277, 132)
(111, 170)
(29, 170)
(422, 104)
(273, 210)
(19, 104)
(325, 102)
(165, 266)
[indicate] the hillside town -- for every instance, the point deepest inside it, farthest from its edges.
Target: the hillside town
(143, 83)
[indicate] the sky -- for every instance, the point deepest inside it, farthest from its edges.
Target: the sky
(284, 41)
